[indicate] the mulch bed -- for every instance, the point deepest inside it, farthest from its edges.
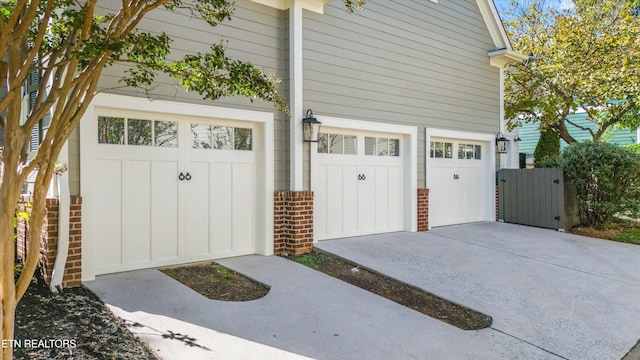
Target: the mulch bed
(394, 290)
(75, 325)
(217, 282)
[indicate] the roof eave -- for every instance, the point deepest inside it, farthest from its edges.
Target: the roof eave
(502, 58)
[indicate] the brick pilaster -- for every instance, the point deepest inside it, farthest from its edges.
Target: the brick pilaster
(293, 222)
(423, 209)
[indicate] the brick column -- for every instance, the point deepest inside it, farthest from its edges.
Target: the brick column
(293, 222)
(73, 267)
(423, 209)
(49, 241)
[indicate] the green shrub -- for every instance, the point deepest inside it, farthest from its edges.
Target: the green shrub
(547, 149)
(607, 180)
(633, 147)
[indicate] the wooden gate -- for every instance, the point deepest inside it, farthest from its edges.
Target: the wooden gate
(533, 197)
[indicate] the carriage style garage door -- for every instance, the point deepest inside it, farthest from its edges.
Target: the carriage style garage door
(458, 181)
(358, 182)
(171, 190)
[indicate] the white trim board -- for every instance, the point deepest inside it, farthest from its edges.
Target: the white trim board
(490, 161)
(410, 184)
(88, 147)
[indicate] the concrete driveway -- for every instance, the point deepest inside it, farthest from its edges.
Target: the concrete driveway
(571, 296)
(551, 296)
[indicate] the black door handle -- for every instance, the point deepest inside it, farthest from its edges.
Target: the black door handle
(187, 177)
(362, 177)
(181, 176)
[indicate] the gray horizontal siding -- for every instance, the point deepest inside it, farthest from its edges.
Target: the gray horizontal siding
(256, 33)
(382, 64)
(405, 62)
(409, 62)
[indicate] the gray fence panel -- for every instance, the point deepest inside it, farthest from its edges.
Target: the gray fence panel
(532, 197)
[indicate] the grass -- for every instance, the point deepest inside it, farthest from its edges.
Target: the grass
(619, 229)
(217, 282)
(631, 236)
(311, 260)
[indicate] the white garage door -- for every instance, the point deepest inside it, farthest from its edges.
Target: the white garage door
(172, 190)
(358, 184)
(457, 181)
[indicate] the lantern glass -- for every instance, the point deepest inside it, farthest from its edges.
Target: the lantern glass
(502, 145)
(310, 128)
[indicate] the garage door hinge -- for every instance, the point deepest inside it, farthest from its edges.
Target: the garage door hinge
(556, 218)
(556, 181)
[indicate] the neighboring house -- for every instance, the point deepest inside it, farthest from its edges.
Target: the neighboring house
(529, 134)
(409, 96)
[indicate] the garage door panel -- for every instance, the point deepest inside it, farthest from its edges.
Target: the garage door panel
(383, 193)
(395, 198)
(137, 211)
(109, 211)
(222, 207)
(346, 211)
(198, 208)
(148, 216)
(358, 190)
(320, 200)
(164, 210)
(243, 206)
(457, 181)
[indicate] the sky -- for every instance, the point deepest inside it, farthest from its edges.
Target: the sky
(501, 5)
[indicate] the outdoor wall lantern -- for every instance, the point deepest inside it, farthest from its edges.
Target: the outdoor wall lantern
(502, 143)
(310, 127)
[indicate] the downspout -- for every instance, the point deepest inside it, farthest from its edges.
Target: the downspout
(64, 206)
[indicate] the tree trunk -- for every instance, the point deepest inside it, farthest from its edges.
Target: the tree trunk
(8, 200)
(8, 308)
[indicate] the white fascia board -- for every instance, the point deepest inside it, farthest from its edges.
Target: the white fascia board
(505, 55)
(316, 6)
(494, 24)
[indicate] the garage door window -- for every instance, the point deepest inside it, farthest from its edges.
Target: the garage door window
(337, 144)
(110, 130)
(441, 150)
(468, 151)
(221, 137)
(374, 146)
(165, 133)
(141, 132)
